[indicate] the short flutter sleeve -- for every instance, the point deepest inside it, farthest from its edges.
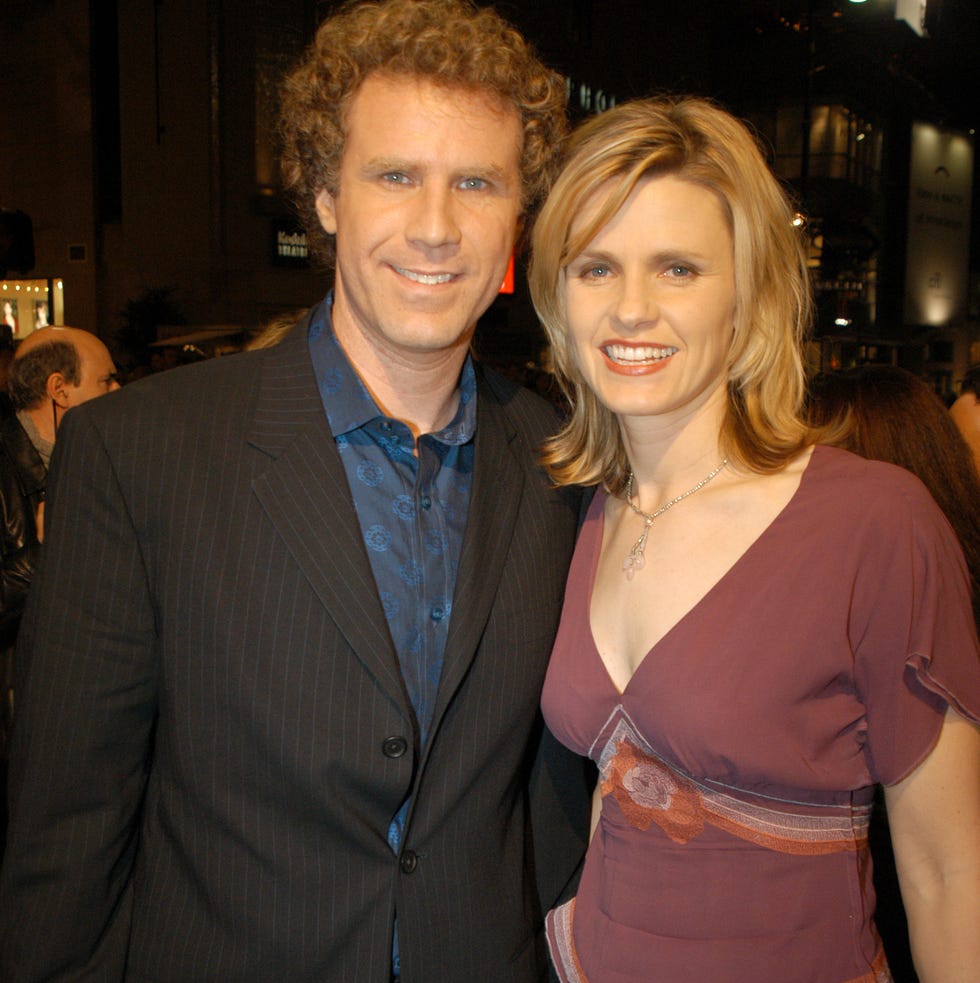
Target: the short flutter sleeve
(913, 634)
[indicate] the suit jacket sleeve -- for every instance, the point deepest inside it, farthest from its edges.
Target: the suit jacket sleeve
(560, 782)
(86, 684)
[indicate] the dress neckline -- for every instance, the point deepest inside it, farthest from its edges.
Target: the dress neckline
(598, 504)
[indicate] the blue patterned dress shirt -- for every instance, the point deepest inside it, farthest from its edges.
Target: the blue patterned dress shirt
(412, 512)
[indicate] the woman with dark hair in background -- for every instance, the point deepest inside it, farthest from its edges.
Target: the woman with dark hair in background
(888, 414)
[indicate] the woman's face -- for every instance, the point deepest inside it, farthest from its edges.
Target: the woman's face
(650, 301)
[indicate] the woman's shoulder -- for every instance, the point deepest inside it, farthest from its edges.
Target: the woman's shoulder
(876, 495)
(836, 466)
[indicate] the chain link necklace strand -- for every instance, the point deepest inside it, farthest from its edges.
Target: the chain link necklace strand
(634, 559)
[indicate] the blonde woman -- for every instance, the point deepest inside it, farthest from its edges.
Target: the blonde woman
(756, 631)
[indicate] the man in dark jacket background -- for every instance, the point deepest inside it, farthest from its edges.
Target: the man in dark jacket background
(53, 369)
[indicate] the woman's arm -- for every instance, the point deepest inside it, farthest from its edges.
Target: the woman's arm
(934, 816)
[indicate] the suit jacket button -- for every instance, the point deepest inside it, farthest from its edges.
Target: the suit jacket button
(394, 747)
(408, 862)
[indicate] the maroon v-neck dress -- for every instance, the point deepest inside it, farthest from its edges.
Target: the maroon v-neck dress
(737, 767)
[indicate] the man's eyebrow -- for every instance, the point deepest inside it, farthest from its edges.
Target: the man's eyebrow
(382, 164)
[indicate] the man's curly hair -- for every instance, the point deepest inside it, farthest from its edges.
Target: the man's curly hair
(450, 42)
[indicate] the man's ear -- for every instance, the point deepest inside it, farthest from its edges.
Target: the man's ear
(326, 211)
(57, 389)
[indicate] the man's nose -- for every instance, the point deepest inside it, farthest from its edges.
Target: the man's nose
(434, 220)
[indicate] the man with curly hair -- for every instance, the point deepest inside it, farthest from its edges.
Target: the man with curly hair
(279, 716)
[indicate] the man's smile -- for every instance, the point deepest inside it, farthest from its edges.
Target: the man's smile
(431, 279)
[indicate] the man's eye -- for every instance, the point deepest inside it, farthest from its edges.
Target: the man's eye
(395, 177)
(473, 184)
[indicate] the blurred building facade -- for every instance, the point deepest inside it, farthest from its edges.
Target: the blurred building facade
(869, 119)
(868, 112)
(139, 137)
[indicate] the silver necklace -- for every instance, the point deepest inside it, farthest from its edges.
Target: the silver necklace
(634, 559)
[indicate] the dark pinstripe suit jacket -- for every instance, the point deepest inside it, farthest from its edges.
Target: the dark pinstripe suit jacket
(203, 774)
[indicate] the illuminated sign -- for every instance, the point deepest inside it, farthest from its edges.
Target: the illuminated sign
(587, 98)
(936, 268)
(289, 246)
(913, 12)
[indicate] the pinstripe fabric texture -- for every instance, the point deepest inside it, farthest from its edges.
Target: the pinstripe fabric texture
(206, 684)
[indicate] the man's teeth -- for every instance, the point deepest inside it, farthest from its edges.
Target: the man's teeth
(637, 353)
(427, 278)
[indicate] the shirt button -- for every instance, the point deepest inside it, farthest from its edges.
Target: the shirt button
(386, 426)
(394, 747)
(426, 502)
(438, 613)
(408, 862)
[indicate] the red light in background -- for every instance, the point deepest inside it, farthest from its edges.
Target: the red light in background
(507, 287)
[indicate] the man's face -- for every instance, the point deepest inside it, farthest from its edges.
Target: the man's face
(425, 217)
(97, 372)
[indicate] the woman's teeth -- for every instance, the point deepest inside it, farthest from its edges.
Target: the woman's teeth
(633, 354)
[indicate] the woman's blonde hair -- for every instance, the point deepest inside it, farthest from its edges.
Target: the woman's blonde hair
(694, 140)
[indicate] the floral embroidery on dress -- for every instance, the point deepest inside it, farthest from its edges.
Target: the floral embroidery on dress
(649, 791)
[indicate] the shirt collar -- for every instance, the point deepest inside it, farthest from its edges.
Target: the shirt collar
(346, 400)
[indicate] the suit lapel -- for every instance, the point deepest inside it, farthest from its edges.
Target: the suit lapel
(495, 500)
(305, 494)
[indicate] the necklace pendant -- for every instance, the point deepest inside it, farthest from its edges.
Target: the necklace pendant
(632, 563)
(634, 559)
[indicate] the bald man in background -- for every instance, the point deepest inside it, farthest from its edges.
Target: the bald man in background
(52, 370)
